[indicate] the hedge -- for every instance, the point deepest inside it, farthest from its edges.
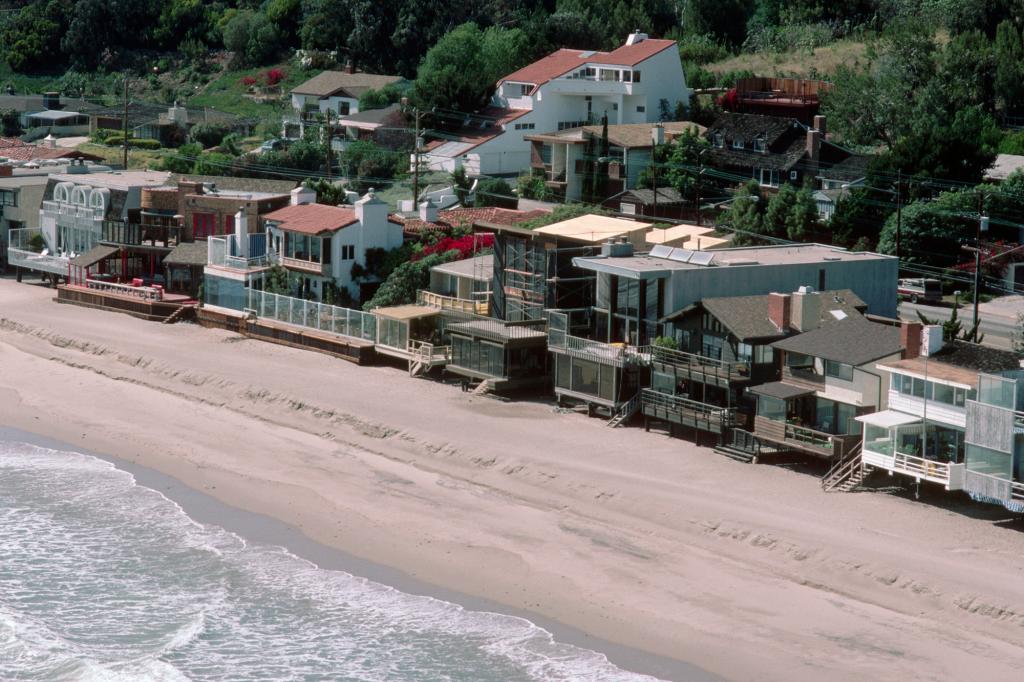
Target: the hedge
(135, 142)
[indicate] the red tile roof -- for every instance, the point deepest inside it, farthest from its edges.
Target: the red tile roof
(453, 217)
(313, 218)
(565, 60)
(476, 135)
(16, 150)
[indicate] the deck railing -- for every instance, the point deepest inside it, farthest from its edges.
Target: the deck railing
(699, 364)
(144, 293)
(462, 305)
(428, 354)
(685, 407)
(313, 315)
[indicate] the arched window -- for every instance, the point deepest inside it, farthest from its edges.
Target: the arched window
(99, 199)
(78, 196)
(62, 192)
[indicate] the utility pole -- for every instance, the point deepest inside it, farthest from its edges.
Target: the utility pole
(899, 211)
(125, 126)
(981, 227)
(328, 132)
(416, 159)
(654, 181)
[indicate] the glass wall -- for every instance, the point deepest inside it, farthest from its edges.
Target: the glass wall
(877, 439)
(997, 391)
(585, 376)
(931, 390)
(987, 461)
(392, 333)
(223, 292)
(771, 408)
(479, 356)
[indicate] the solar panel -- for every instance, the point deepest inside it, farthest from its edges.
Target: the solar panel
(681, 255)
(661, 251)
(702, 258)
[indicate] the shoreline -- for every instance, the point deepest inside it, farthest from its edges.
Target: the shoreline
(267, 530)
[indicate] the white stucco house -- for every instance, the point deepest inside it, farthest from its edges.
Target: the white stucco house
(318, 243)
(566, 89)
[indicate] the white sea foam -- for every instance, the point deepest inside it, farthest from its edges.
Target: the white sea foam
(103, 579)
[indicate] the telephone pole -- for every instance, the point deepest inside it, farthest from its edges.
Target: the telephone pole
(899, 211)
(328, 132)
(125, 126)
(982, 227)
(416, 159)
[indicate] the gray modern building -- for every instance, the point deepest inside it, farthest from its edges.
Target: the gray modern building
(639, 294)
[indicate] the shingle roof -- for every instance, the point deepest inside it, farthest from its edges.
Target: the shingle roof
(188, 253)
(854, 341)
(238, 184)
(328, 83)
(16, 150)
(565, 60)
(312, 218)
(453, 217)
(969, 356)
(746, 317)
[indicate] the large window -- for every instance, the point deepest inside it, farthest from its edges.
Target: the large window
(997, 391)
(226, 293)
(711, 347)
(771, 408)
(585, 376)
(931, 390)
(8, 197)
(987, 461)
(839, 370)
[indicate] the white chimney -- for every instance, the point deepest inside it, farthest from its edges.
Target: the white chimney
(658, 134)
(813, 144)
(636, 37)
(242, 233)
(931, 339)
(428, 211)
(303, 195)
(371, 211)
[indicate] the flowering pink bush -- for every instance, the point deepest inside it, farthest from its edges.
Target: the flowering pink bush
(249, 81)
(274, 76)
(464, 245)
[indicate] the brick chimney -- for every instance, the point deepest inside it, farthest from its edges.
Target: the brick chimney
(910, 339)
(350, 66)
(6, 171)
(780, 310)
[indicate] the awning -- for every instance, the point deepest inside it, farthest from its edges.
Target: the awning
(94, 255)
(781, 390)
(887, 419)
(406, 312)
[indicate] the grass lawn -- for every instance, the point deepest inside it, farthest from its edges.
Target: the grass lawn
(140, 159)
(823, 61)
(227, 93)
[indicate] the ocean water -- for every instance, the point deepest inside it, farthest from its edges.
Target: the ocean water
(104, 579)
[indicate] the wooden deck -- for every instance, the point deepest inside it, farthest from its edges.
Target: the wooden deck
(803, 439)
(136, 306)
(359, 351)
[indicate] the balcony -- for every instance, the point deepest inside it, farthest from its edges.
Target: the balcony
(803, 377)
(617, 354)
(132, 234)
(310, 267)
(461, 305)
(880, 455)
(70, 215)
(590, 86)
(804, 439)
(699, 368)
(23, 252)
(678, 410)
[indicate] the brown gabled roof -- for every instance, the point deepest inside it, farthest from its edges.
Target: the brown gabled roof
(313, 218)
(188, 253)
(328, 83)
(746, 317)
(565, 60)
(854, 341)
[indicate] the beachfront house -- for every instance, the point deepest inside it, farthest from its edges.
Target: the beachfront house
(721, 347)
(994, 440)
(640, 297)
(80, 210)
(922, 434)
(830, 376)
(635, 83)
(324, 248)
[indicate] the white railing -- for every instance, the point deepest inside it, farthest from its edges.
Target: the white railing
(21, 253)
(881, 455)
(144, 293)
(313, 315)
(428, 354)
(607, 353)
(461, 305)
(219, 253)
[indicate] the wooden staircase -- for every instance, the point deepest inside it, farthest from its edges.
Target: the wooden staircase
(847, 474)
(626, 412)
(743, 446)
(484, 387)
(179, 314)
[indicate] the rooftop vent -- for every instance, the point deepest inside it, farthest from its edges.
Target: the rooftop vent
(740, 261)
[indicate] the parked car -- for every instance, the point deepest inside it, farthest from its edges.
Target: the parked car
(920, 290)
(274, 145)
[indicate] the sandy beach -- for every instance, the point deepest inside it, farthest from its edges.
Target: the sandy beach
(649, 544)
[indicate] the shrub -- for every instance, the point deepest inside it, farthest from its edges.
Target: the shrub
(274, 76)
(666, 342)
(134, 142)
(208, 134)
(37, 243)
(249, 81)
(532, 186)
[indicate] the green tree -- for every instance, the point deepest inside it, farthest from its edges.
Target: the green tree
(932, 231)
(458, 73)
(802, 220)
(724, 19)
(494, 192)
(745, 215)
(253, 38)
(30, 38)
(208, 134)
(213, 163)
(381, 98)
(401, 285)
(183, 160)
(960, 148)
(1009, 67)
(326, 24)
(10, 123)
(276, 281)
(677, 164)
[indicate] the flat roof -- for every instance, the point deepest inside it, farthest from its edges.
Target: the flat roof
(790, 254)
(781, 390)
(935, 370)
(469, 267)
(593, 228)
(887, 419)
(116, 180)
(498, 330)
(406, 312)
(659, 235)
